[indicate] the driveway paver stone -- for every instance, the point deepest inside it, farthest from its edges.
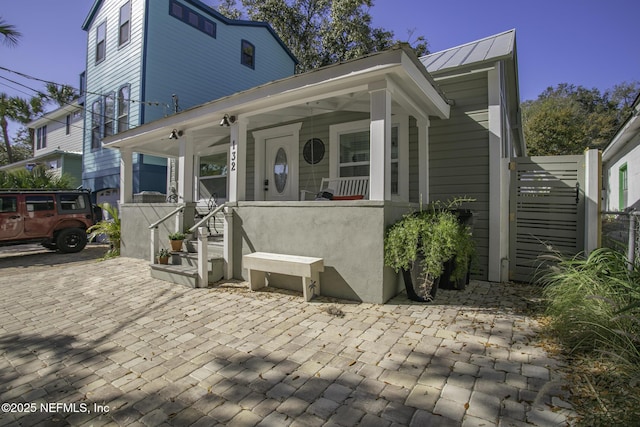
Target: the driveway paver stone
(102, 343)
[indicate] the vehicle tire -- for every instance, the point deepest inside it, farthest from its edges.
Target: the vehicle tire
(71, 240)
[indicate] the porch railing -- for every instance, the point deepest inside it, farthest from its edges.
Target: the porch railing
(155, 244)
(207, 217)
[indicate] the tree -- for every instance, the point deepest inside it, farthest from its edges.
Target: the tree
(9, 33)
(5, 114)
(568, 119)
(320, 32)
(61, 94)
(38, 177)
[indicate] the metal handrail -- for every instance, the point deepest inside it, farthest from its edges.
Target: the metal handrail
(206, 217)
(166, 217)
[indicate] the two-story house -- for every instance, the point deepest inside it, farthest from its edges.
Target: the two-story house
(57, 143)
(149, 59)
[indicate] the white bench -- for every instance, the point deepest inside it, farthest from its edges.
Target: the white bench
(347, 187)
(260, 263)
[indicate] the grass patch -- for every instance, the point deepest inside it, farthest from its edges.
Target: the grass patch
(593, 309)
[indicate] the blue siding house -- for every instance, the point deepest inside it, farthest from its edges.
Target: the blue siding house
(150, 59)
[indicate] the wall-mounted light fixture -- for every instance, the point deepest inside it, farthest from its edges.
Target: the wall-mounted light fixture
(227, 120)
(175, 134)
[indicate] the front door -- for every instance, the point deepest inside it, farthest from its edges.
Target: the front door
(280, 180)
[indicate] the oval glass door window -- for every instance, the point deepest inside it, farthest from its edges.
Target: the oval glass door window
(280, 170)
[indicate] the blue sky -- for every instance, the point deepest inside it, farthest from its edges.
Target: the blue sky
(593, 43)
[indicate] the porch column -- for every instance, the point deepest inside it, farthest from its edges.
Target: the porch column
(498, 270)
(185, 170)
(238, 161)
(380, 142)
(423, 160)
(593, 184)
(126, 175)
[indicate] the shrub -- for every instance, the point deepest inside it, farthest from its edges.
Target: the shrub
(594, 305)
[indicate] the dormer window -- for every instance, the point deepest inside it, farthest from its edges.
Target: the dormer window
(192, 18)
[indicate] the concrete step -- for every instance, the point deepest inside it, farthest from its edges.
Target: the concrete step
(215, 245)
(183, 269)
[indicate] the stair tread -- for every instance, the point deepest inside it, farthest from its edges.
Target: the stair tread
(186, 270)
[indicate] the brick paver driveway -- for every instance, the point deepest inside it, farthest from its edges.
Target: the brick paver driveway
(95, 343)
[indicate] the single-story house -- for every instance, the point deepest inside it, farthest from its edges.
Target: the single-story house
(621, 165)
(414, 135)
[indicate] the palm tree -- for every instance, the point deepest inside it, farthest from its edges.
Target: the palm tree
(5, 112)
(9, 33)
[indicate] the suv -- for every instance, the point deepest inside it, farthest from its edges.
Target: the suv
(57, 219)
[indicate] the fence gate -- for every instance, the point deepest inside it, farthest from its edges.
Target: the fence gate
(546, 211)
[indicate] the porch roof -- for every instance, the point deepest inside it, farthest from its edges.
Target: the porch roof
(339, 87)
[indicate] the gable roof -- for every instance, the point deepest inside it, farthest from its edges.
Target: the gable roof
(492, 48)
(628, 130)
(206, 9)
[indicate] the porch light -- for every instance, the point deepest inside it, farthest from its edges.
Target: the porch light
(175, 134)
(227, 120)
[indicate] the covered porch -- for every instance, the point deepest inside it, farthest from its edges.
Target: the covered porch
(264, 152)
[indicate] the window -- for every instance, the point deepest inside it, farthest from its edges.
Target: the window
(67, 124)
(96, 115)
(125, 24)
(71, 202)
(101, 42)
(624, 187)
(248, 56)
(109, 114)
(192, 18)
(213, 176)
(39, 203)
(41, 137)
(82, 84)
(8, 204)
(123, 108)
(354, 155)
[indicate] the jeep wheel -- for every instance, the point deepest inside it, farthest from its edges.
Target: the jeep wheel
(71, 240)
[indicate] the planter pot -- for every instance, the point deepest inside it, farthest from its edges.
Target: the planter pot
(163, 260)
(447, 282)
(417, 285)
(176, 245)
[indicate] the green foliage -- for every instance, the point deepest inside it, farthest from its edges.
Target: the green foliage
(38, 178)
(320, 32)
(594, 305)
(164, 253)
(110, 228)
(177, 236)
(9, 33)
(435, 234)
(568, 119)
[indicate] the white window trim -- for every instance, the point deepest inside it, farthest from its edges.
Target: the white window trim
(219, 149)
(399, 121)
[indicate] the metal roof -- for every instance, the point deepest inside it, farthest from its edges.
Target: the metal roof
(495, 47)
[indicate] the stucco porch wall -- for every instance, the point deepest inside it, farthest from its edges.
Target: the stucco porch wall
(349, 236)
(135, 220)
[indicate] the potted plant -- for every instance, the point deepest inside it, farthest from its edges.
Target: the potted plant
(163, 256)
(457, 269)
(176, 240)
(421, 243)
